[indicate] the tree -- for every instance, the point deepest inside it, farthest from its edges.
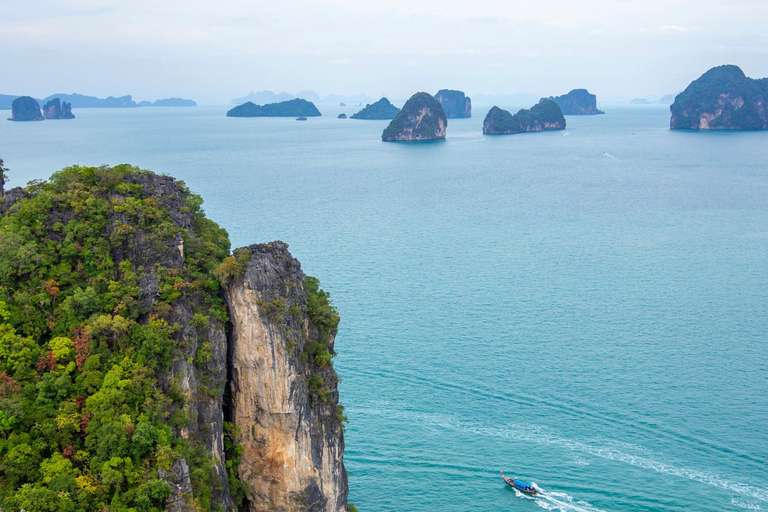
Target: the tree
(3, 176)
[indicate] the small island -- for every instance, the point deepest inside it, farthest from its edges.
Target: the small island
(382, 109)
(545, 115)
(578, 102)
(301, 118)
(25, 108)
(421, 118)
(174, 102)
(291, 108)
(342, 116)
(81, 101)
(55, 109)
(455, 104)
(723, 98)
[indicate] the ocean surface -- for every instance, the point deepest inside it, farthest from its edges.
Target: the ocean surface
(585, 309)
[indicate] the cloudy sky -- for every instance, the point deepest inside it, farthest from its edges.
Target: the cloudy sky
(214, 50)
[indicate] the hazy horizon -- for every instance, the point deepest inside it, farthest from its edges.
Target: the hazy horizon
(214, 53)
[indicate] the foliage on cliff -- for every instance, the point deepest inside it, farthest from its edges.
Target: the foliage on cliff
(421, 118)
(725, 98)
(381, 109)
(455, 103)
(84, 423)
(291, 108)
(25, 108)
(545, 115)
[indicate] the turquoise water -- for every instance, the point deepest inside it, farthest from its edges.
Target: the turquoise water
(587, 310)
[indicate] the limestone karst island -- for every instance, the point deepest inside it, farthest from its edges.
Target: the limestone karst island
(421, 119)
(545, 115)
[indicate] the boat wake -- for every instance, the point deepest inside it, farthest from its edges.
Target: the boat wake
(558, 501)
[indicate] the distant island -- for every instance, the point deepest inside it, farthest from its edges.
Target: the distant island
(421, 118)
(455, 104)
(640, 101)
(56, 109)
(174, 102)
(382, 109)
(342, 116)
(291, 108)
(81, 101)
(723, 98)
(266, 97)
(545, 115)
(25, 108)
(578, 102)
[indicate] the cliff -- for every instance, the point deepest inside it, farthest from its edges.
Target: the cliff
(25, 108)
(381, 109)
(285, 401)
(421, 118)
(455, 104)
(723, 98)
(545, 115)
(113, 321)
(291, 108)
(55, 109)
(577, 102)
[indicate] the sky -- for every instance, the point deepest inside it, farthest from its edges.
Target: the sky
(213, 51)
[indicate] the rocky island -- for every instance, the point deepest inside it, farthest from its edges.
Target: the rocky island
(342, 116)
(723, 98)
(174, 102)
(144, 366)
(421, 118)
(545, 115)
(55, 109)
(82, 101)
(296, 107)
(578, 102)
(25, 108)
(455, 104)
(381, 109)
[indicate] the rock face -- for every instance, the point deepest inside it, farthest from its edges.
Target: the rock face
(723, 98)
(454, 103)
(292, 108)
(421, 118)
(25, 108)
(382, 109)
(578, 102)
(546, 115)
(284, 399)
(55, 109)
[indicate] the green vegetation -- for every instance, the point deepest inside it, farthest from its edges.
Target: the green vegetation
(577, 102)
(351, 507)
(732, 100)
(545, 115)
(3, 176)
(381, 109)
(291, 108)
(324, 318)
(421, 118)
(84, 422)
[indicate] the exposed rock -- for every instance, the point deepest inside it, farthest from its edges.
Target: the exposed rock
(284, 400)
(174, 102)
(723, 98)
(421, 118)
(301, 118)
(25, 108)
(577, 102)
(55, 109)
(382, 109)
(454, 103)
(291, 108)
(546, 115)
(342, 116)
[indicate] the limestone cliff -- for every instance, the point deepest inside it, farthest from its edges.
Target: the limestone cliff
(545, 115)
(421, 118)
(55, 109)
(284, 397)
(723, 98)
(454, 103)
(578, 102)
(25, 108)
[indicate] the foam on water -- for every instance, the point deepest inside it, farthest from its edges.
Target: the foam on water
(745, 504)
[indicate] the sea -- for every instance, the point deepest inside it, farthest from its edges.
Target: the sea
(585, 309)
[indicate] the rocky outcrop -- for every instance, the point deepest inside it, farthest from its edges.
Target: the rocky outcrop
(291, 108)
(284, 397)
(174, 102)
(55, 109)
(342, 116)
(723, 98)
(545, 115)
(455, 104)
(421, 118)
(25, 108)
(578, 102)
(381, 109)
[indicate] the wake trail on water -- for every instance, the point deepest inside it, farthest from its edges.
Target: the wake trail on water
(466, 142)
(599, 448)
(558, 501)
